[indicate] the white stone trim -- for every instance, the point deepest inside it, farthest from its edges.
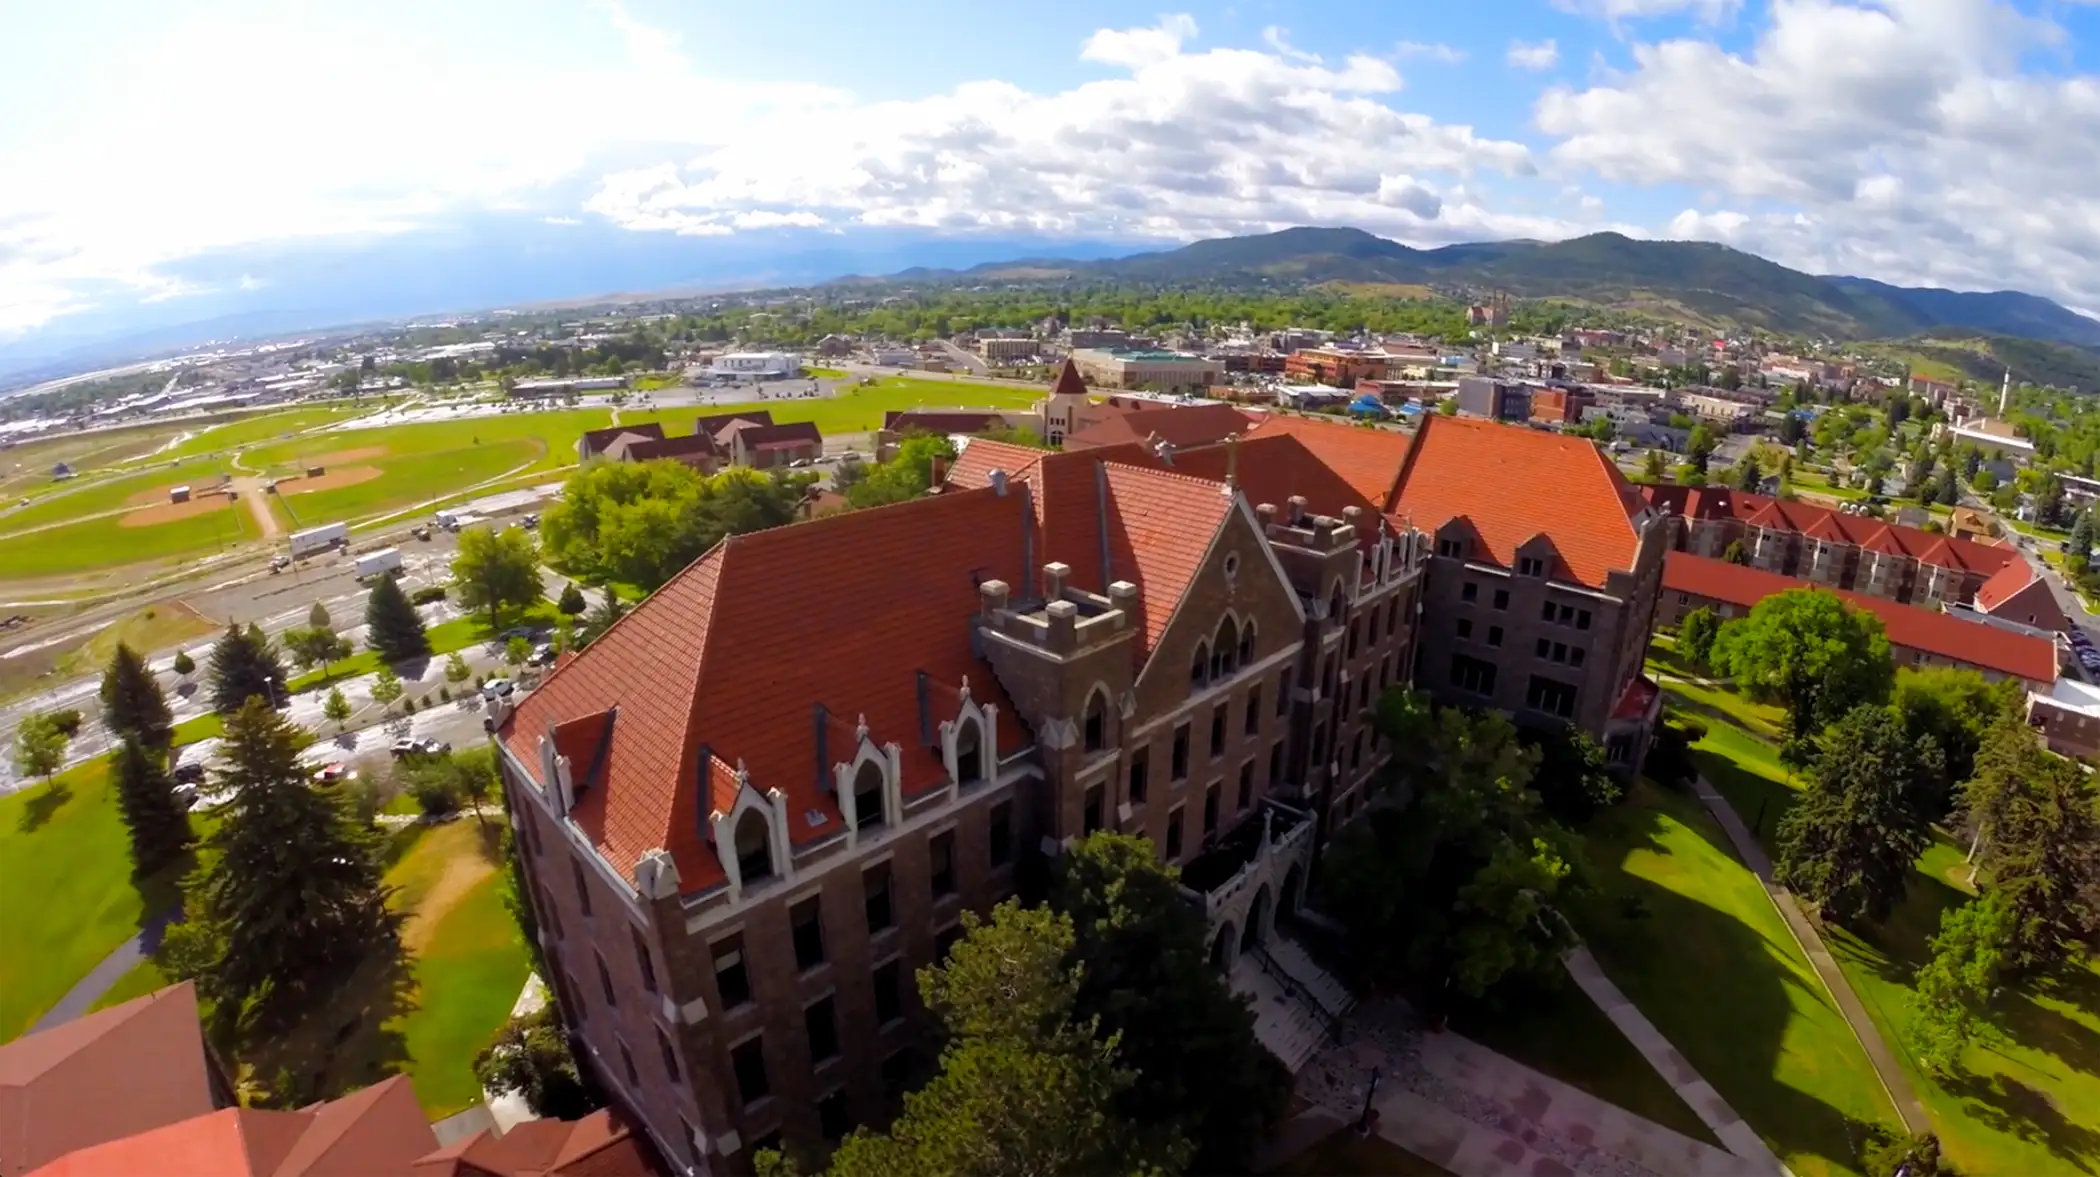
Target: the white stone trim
(889, 760)
(723, 827)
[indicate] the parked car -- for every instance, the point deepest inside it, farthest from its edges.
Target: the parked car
(543, 654)
(531, 521)
(497, 688)
(188, 773)
(406, 746)
(333, 774)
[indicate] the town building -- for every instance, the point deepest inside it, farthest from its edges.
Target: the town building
(1080, 338)
(595, 443)
(2067, 716)
(769, 446)
(1338, 366)
(1832, 548)
(1737, 414)
(1162, 371)
(1918, 637)
(1177, 426)
(1561, 404)
(1004, 350)
(1496, 400)
(534, 389)
(2020, 594)
(755, 365)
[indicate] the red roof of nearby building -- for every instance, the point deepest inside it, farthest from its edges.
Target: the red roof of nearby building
(1942, 635)
(712, 425)
(595, 440)
(1181, 426)
(1823, 523)
(1068, 382)
(758, 437)
(377, 1132)
(1510, 484)
(599, 1145)
(110, 1074)
(974, 465)
(697, 444)
(1367, 458)
(2019, 593)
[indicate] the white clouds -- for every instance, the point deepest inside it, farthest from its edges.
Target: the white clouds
(1620, 10)
(1431, 51)
(1898, 140)
(1184, 143)
(1540, 55)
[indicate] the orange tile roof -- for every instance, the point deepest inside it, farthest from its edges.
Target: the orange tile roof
(1160, 526)
(1177, 425)
(733, 655)
(1943, 635)
(1068, 382)
(1510, 483)
(598, 1145)
(2021, 594)
(55, 1084)
(974, 465)
(2003, 586)
(1874, 535)
(1368, 459)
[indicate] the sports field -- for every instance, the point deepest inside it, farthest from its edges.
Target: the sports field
(106, 542)
(110, 494)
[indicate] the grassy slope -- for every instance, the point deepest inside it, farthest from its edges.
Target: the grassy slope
(468, 979)
(150, 630)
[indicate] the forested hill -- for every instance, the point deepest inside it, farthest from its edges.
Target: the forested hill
(1695, 281)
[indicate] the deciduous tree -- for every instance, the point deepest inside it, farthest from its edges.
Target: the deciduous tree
(159, 825)
(1956, 709)
(1952, 989)
(40, 747)
(1696, 634)
(132, 704)
(641, 523)
(392, 625)
(336, 708)
(315, 648)
(496, 571)
(1809, 651)
(1848, 844)
(386, 688)
(530, 1058)
(2037, 826)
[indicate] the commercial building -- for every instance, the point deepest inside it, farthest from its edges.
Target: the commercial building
(1561, 404)
(1002, 350)
(1918, 637)
(1496, 400)
(755, 365)
(1079, 338)
(756, 806)
(1736, 413)
(1162, 371)
(1832, 548)
(532, 389)
(1337, 366)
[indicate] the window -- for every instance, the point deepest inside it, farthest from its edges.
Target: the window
(754, 847)
(642, 960)
(583, 893)
(663, 1044)
(1582, 619)
(1095, 731)
(1210, 809)
(577, 991)
(1392, 616)
(1465, 628)
(896, 1074)
(1275, 763)
(1001, 835)
(1575, 655)
(1179, 769)
(1351, 653)
(1544, 648)
(1140, 768)
(889, 1000)
(732, 980)
(867, 797)
(1530, 566)
(807, 917)
(1225, 650)
(1199, 666)
(748, 1060)
(1549, 611)
(823, 1031)
(942, 851)
(1174, 834)
(1469, 592)
(552, 913)
(634, 1077)
(970, 765)
(1363, 691)
(875, 881)
(1495, 636)
(1371, 631)
(1473, 675)
(1247, 644)
(1217, 731)
(1356, 752)
(1550, 696)
(1283, 694)
(605, 984)
(1246, 796)
(1091, 817)
(1252, 722)
(1448, 547)
(1501, 598)
(832, 1117)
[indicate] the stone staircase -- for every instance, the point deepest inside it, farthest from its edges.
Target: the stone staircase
(1333, 997)
(1296, 1003)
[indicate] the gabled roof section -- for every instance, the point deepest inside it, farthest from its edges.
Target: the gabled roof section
(236, 1142)
(1274, 467)
(2009, 582)
(714, 423)
(1513, 483)
(671, 447)
(1068, 381)
(728, 663)
(595, 440)
(792, 431)
(973, 466)
(1177, 425)
(377, 1130)
(1160, 526)
(1368, 459)
(1823, 523)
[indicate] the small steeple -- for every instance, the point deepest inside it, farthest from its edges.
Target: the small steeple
(2005, 394)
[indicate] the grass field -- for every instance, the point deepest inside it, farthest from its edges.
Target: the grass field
(256, 430)
(1810, 483)
(109, 494)
(2028, 1100)
(26, 469)
(407, 480)
(154, 628)
(445, 637)
(94, 544)
(66, 889)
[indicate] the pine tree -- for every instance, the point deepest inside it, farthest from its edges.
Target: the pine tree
(244, 666)
(159, 825)
(1848, 844)
(391, 624)
(572, 603)
(132, 704)
(317, 618)
(2037, 826)
(1747, 475)
(291, 893)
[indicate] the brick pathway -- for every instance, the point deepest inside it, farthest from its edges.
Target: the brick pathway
(1894, 1081)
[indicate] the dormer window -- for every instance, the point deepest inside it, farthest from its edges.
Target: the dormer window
(754, 847)
(969, 753)
(1093, 725)
(867, 796)
(1530, 566)
(1450, 548)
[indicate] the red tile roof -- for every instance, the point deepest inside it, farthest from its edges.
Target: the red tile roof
(598, 1145)
(1177, 425)
(1068, 382)
(974, 465)
(2019, 593)
(944, 420)
(56, 1085)
(1510, 483)
(1271, 467)
(1823, 523)
(1942, 635)
(699, 444)
(1160, 526)
(733, 654)
(713, 424)
(1368, 459)
(595, 440)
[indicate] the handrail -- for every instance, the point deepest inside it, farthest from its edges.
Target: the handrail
(1292, 985)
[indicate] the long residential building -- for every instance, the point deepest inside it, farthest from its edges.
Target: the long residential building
(756, 806)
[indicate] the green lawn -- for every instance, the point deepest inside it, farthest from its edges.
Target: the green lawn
(66, 890)
(207, 726)
(445, 637)
(1811, 483)
(861, 409)
(467, 980)
(267, 427)
(93, 544)
(407, 480)
(1689, 934)
(107, 494)
(140, 981)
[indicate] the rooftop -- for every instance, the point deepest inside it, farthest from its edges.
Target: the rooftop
(1929, 547)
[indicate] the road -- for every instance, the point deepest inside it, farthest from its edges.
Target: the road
(956, 354)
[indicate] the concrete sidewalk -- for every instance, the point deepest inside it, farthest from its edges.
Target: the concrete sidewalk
(1909, 1108)
(126, 957)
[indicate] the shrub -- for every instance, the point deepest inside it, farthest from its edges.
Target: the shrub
(408, 706)
(1670, 762)
(444, 694)
(436, 795)
(428, 594)
(67, 721)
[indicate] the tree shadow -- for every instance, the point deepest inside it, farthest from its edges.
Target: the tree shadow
(411, 669)
(42, 806)
(2002, 1102)
(2022, 1017)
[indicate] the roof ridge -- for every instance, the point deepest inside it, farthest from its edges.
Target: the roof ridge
(1617, 478)
(1165, 472)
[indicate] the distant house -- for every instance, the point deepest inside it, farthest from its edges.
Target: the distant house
(594, 443)
(765, 447)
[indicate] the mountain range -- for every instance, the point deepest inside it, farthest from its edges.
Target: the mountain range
(1694, 280)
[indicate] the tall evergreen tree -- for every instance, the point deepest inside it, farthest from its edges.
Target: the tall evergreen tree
(1848, 844)
(391, 624)
(291, 895)
(1747, 476)
(2037, 825)
(243, 666)
(1146, 982)
(158, 823)
(132, 704)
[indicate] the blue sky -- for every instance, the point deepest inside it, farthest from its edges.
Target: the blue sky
(150, 151)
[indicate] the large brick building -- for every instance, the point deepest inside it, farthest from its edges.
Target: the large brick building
(756, 806)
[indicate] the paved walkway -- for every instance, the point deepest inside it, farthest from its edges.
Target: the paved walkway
(1893, 1080)
(83, 996)
(1683, 1078)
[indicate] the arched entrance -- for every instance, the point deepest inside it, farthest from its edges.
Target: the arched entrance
(1221, 954)
(1293, 893)
(1257, 928)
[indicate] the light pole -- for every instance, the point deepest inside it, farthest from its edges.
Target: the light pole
(1363, 1121)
